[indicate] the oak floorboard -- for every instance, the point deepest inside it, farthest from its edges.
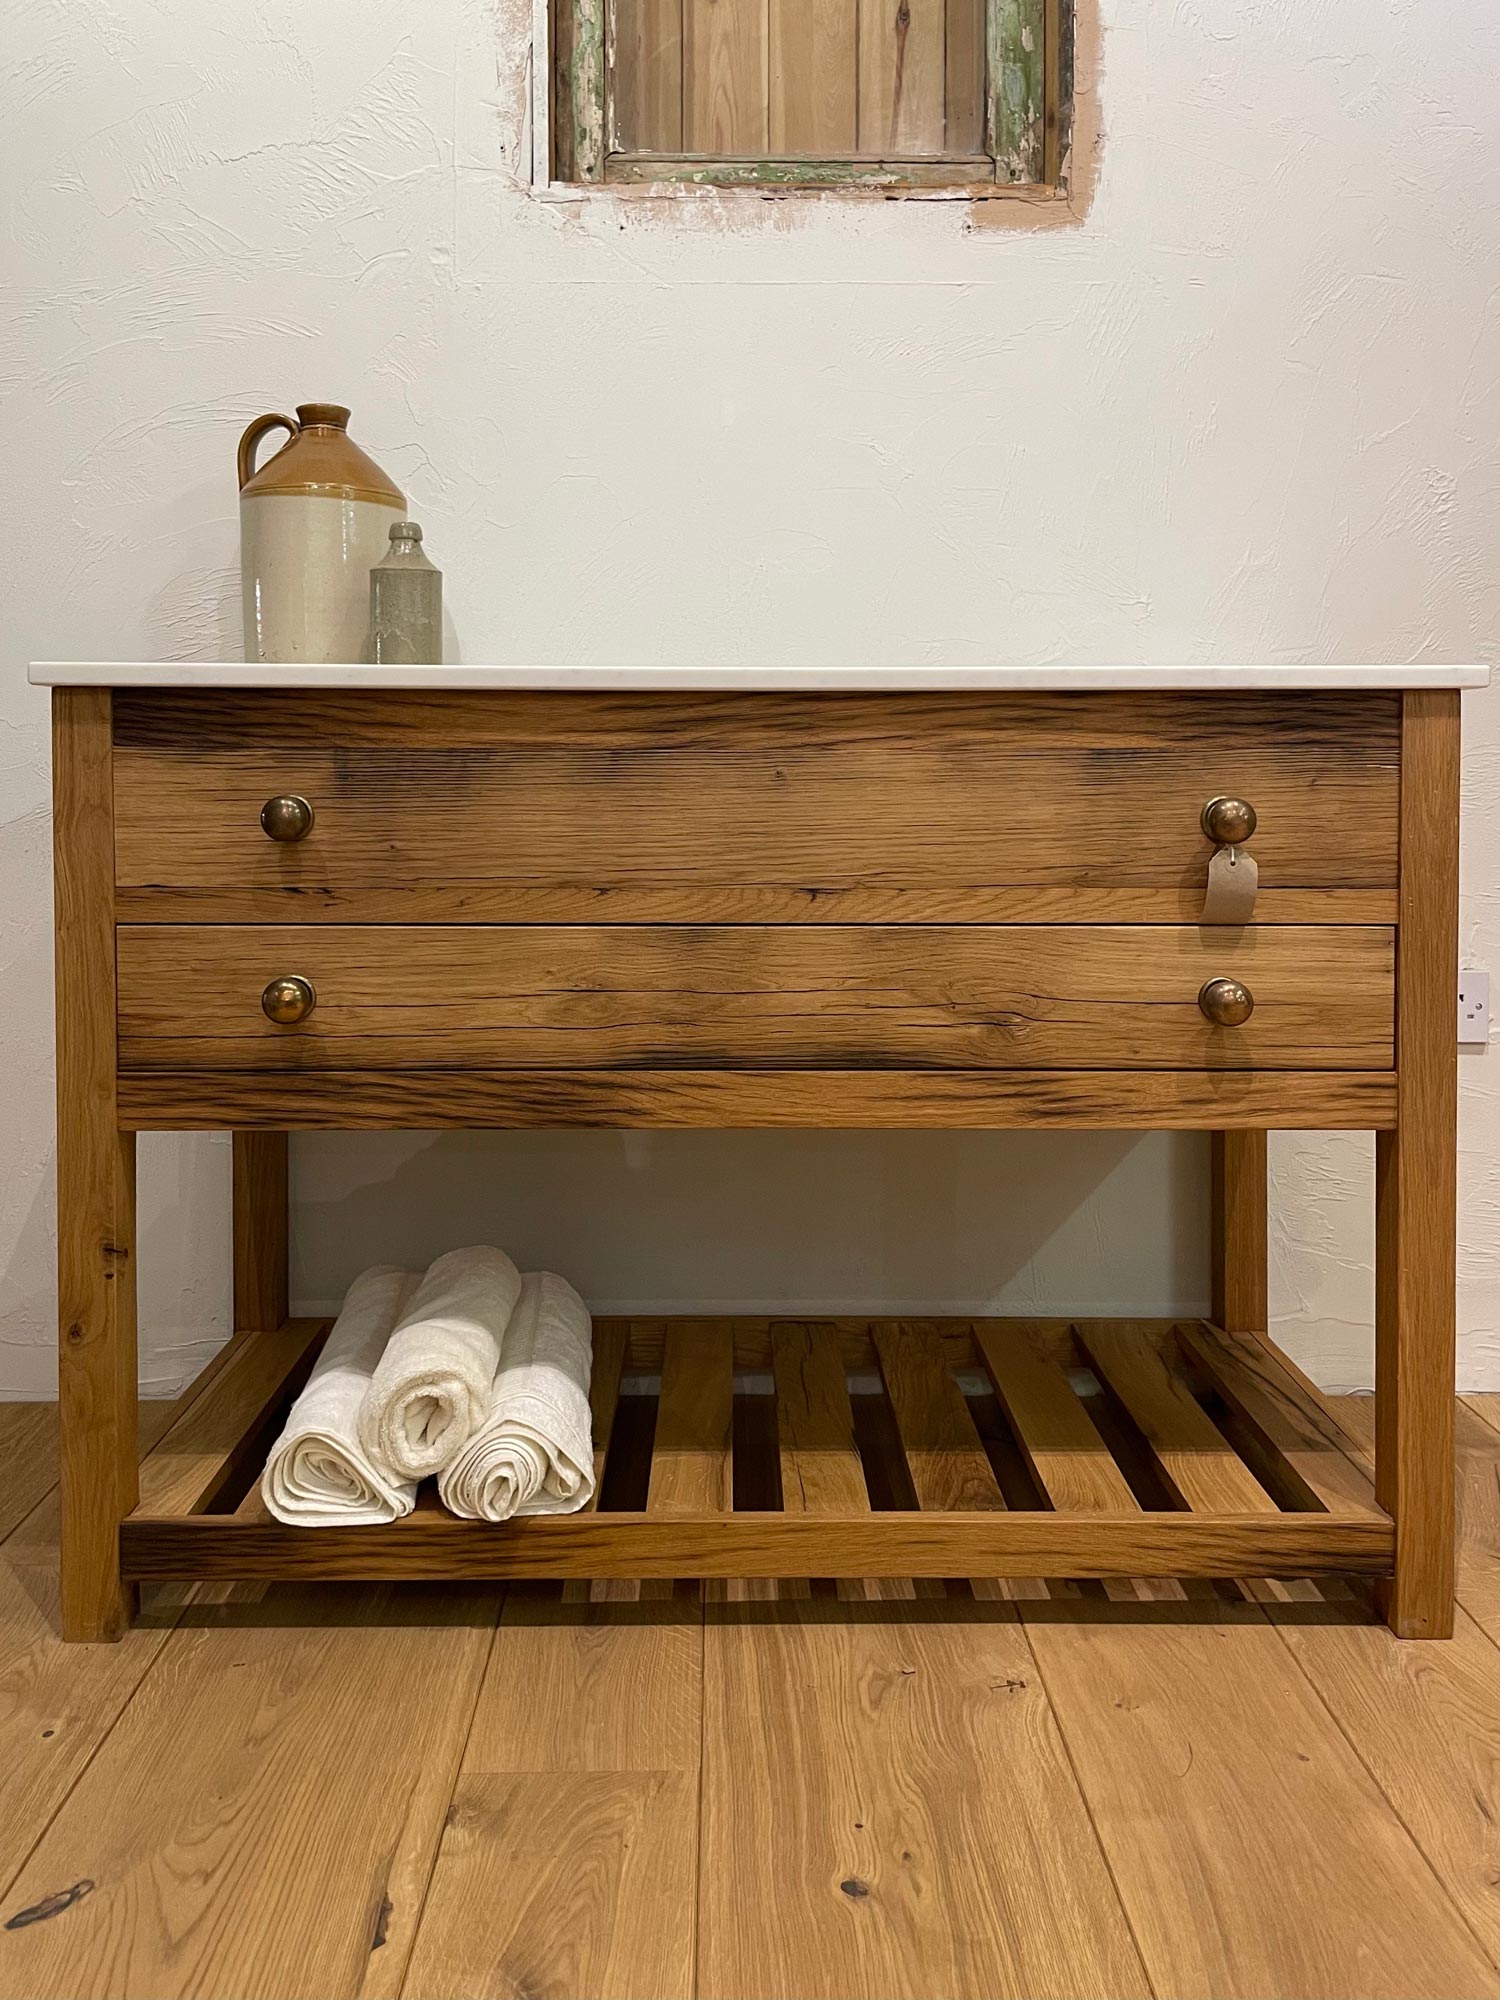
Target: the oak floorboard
(888, 1809)
(568, 1863)
(262, 1818)
(1252, 1849)
(1485, 1405)
(28, 1459)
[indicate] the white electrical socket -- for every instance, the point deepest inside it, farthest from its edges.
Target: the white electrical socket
(1473, 1004)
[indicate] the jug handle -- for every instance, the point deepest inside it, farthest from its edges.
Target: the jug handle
(245, 458)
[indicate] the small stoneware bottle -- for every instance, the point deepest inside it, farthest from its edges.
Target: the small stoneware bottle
(406, 604)
(313, 521)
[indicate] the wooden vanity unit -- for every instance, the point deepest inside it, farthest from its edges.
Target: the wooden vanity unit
(359, 898)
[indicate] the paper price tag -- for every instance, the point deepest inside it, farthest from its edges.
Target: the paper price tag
(1232, 880)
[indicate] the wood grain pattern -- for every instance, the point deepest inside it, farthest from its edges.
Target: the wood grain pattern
(1194, 1454)
(264, 1808)
(262, 1221)
(858, 1838)
(427, 1545)
(691, 1463)
(902, 77)
(96, 1282)
(1240, 1260)
(577, 1794)
(28, 1459)
(1067, 1456)
(724, 77)
(989, 1100)
(821, 1471)
(949, 1469)
(581, 996)
(1171, 1731)
(220, 1432)
(814, 73)
(965, 76)
(645, 71)
(1305, 1447)
(1416, 1185)
(610, 1343)
(1426, 1725)
(760, 806)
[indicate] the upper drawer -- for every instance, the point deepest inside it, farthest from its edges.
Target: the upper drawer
(580, 996)
(862, 808)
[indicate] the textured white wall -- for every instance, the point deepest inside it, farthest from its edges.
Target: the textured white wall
(1248, 410)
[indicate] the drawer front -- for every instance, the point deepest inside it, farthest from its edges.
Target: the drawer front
(743, 997)
(870, 809)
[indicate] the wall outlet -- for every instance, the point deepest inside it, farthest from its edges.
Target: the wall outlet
(1473, 1005)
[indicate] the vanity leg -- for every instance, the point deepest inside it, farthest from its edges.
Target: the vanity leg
(1416, 1186)
(261, 1251)
(96, 1280)
(1238, 1199)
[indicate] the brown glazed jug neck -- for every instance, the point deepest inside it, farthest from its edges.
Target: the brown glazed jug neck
(319, 456)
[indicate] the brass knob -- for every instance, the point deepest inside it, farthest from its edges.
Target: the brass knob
(1226, 1003)
(286, 818)
(287, 1001)
(1227, 822)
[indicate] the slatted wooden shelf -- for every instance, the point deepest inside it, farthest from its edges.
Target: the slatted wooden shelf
(842, 1447)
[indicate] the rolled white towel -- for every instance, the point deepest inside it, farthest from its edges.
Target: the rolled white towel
(534, 1453)
(431, 1388)
(319, 1475)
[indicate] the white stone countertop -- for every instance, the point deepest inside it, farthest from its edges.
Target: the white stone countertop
(753, 680)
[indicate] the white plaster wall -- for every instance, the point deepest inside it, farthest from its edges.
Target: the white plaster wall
(1249, 409)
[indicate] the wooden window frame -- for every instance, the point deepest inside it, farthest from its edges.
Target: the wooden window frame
(1029, 54)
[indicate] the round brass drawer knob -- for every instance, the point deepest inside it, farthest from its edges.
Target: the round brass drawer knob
(286, 818)
(1227, 822)
(1226, 1003)
(287, 1001)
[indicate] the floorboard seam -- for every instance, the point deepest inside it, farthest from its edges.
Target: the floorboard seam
(1486, 1949)
(458, 1770)
(1088, 1806)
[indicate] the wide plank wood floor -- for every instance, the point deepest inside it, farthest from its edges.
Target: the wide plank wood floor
(1028, 1791)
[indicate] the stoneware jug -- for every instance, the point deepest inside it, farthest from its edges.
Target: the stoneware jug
(314, 521)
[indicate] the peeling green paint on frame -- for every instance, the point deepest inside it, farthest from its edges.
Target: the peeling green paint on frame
(1016, 37)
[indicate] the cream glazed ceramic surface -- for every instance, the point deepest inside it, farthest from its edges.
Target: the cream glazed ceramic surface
(314, 521)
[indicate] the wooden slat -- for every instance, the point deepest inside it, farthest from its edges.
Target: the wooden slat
(1050, 996)
(1218, 1782)
(568, 1862)
(968, 799)
(814, 71)
(96, 1271)
(1416, 1185)
(1308, 1449)
(990, 1100)
(858, 1837)
(1198, 1460)
(261, 1230)
(206, 1446)
(902, 77)
(949, 1469)
(611, 1339)
(965, 73)
(1069, 1459)
(646, 76)
(821, 1469)
(691, 1460)
(745, 1544)
(724, 76)
(1018, 88)
(1237, 1198)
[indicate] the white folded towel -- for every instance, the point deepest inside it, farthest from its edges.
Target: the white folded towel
(319, 1475)
(535, 1451)
(431, 1389)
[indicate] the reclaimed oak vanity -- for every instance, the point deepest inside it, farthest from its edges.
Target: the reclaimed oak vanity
(357, 898)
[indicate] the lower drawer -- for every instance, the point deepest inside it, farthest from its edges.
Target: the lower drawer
(741, 997)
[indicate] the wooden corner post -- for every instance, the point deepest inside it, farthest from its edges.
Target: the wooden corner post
(261, 1293)
(1238, 1198)
(1416, 1185)
(96, 1283)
